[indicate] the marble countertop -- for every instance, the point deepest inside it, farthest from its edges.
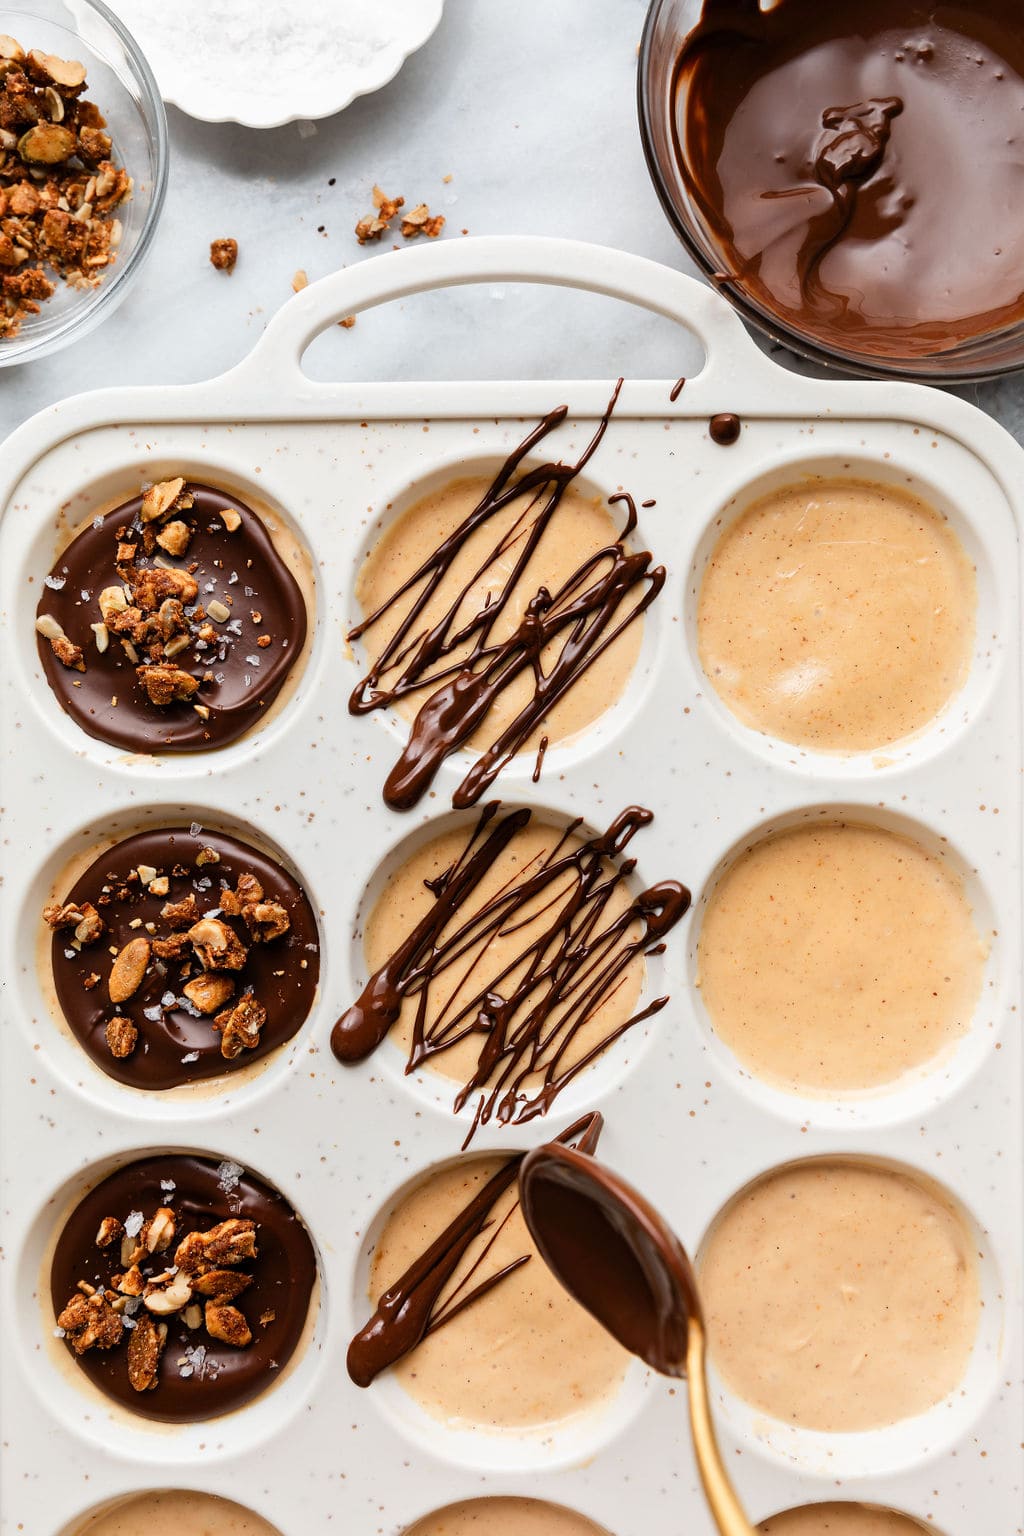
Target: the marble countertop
(529, 109)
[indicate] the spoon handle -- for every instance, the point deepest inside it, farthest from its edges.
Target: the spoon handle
(721, 1496)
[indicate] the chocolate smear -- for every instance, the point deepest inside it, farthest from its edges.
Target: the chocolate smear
(610, 590)
(571, 962)
(408, 1310)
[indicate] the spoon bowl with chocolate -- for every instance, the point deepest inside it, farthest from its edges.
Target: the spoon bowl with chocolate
(620, 1260)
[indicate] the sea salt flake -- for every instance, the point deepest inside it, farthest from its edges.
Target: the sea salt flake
(203, 883)
(168, 1000)
(60, 1333)
(232, 578)
(55, 583)
(97, 522)
(228, 1175)
(167, 1185)
(253, 661)
(71, 954)
(154, 1014)
(249, 591)
(191, 1057)
(133, 1224)
(195, 829)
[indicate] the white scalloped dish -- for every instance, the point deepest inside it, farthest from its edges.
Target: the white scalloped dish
(345, 49)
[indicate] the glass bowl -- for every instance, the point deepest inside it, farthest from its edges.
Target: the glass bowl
(668, 24)
(121, 84)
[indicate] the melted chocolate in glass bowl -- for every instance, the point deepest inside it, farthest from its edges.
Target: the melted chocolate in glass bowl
(175, 1044)
(198, 1376)
(860, 166)
(239, 678)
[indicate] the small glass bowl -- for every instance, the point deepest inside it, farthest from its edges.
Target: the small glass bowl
(668, 24)
(120, 83)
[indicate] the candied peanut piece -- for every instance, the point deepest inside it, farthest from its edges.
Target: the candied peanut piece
(132, 1282)
(240, 1026)
(224, 254)
(151, 585)
(91, 926)
(68, 653)
(171, 949)
(180, 914)
(167, 1299)
(157, 1234)
(231, 1241)
(167, 685)
(226, 1324)
(217, 945)
(110, 1231)
(160, 498)
(248, 889)
(128, 970)
(61, 916)
(145, 1347)
(209, 991)
(222, 1284)
(175, 537)
(121, 1036)
(90, 1322)
(266, 920)
(418, 221)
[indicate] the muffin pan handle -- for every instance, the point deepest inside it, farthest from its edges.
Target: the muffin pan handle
(492, 259)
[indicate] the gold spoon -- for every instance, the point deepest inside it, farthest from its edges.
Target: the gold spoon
(619, 1259)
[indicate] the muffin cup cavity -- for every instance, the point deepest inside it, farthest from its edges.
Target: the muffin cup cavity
(597, 706)
(175, 1044)
(167, 629)
(393, 907)
(909, 1442)
(206, 1368)
(935, 1077)
(492, 1447)
(897, 475)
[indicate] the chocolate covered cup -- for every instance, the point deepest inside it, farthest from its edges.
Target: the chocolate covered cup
(171, 623)
(181, 954)
(181, 1286)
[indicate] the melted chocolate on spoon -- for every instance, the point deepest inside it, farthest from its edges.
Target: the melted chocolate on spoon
(612, 1252)
(587, 613)
(575, 957)
(859, 165)
(406, 1312)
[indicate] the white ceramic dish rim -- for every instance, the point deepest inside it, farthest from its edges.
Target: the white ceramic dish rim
(736, 377)
(420, 21)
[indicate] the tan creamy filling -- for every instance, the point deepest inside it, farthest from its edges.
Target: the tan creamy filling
(580, 527)
(837, 614)
(405, 900)
(838, 957)
(840, 1520)
(524, 1354)
(840, 1295)
(504, 1517)
(175, 1513)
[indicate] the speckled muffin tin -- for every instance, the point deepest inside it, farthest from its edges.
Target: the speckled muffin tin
(683, 1121)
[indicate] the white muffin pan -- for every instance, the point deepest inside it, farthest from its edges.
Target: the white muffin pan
(683, 1121)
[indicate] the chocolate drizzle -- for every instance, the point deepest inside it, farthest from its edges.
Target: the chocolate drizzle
(529, 1016)
(408, 1310)
(587, 613)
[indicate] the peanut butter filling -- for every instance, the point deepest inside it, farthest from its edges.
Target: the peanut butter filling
(840, 1295)
(837, 615)
(839, 957)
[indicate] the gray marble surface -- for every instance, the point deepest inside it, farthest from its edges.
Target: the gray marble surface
(528, 107)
